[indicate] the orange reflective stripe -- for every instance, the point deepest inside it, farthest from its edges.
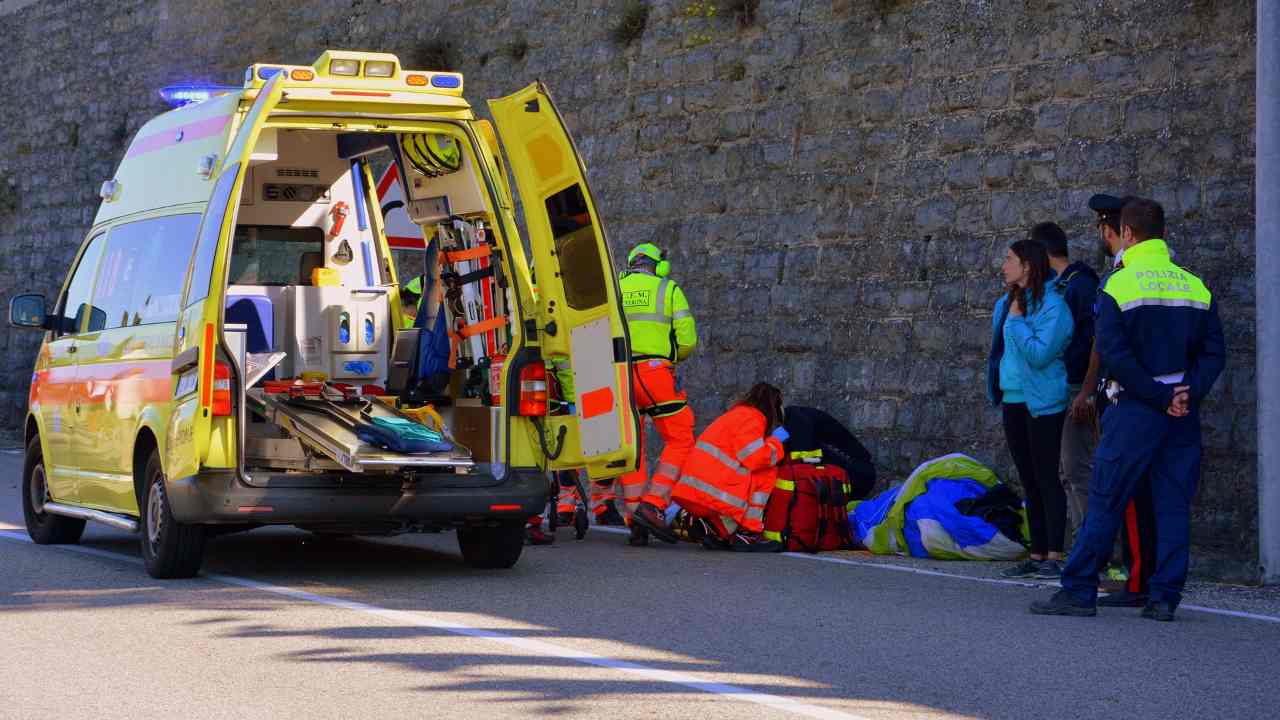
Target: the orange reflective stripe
(483, 326)
(475, 253)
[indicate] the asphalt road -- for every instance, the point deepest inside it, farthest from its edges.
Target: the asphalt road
(281, 625)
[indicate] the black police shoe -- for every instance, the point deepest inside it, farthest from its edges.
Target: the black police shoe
(650, 518)
(1062, 604)
(1124, 598)
(1160, 611)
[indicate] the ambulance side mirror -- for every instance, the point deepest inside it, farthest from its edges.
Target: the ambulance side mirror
(28, 311)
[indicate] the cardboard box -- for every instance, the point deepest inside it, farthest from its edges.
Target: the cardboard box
(477, 428)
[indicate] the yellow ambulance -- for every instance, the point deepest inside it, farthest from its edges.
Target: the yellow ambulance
(226, 351)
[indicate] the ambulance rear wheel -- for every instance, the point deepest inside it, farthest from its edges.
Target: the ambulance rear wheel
(170, 549)
(491, 547)
(44, 528)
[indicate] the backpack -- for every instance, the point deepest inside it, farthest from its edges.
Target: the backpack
(807, 509)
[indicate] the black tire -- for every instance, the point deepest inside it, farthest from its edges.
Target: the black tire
(169, 548)
(491, 547)
(44, 529)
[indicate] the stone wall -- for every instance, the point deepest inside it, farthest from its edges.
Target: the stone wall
(836, 180)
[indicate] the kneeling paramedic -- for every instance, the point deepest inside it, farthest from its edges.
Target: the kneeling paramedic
(663, 333)
(729, 474)
(1161, 340)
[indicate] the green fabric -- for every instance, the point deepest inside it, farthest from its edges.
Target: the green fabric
(408, 428)
(887, 537)
(1149, 277)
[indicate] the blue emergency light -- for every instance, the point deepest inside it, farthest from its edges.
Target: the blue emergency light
(178, 95)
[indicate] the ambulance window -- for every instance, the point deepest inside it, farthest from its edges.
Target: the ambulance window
(75, 304)
(275, 255)
(207, 247)
(142, 272)
(578, 249)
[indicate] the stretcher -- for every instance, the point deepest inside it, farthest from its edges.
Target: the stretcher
(329, 425)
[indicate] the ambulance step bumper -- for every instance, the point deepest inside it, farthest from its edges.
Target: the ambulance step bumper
(221, 498)
(119, 522)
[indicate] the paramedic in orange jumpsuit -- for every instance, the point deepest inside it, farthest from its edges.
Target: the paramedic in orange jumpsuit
(729, 474)
(663, 333)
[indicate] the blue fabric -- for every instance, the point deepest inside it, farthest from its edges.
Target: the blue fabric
(257, 314)
(1139, 444)
(1034, 344)
(870, 513)
(1079, 287)
(402, 436)
(939, 504)
(433, 342)
(781, 433)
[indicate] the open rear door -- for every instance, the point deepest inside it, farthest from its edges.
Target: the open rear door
(579, 312)
(197, 438)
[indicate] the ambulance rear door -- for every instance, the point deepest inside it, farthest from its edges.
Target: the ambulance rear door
(579, 310)
(198, 437)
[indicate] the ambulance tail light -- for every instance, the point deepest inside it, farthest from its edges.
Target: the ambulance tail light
(379, 69)
(221, 390)
(533, 390)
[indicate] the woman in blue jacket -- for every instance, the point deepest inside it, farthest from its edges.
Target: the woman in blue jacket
(1027, 378)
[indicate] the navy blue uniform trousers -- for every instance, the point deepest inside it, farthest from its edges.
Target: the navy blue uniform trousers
(1139, 444)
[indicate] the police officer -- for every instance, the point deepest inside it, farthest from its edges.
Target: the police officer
(1138, 531)
(1160, 338)
(663, 333)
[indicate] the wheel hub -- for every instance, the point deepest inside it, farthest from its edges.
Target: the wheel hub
(39, 490)
(155, 514)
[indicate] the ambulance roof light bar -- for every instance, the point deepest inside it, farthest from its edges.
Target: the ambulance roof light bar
(177, 96)
(341, 68)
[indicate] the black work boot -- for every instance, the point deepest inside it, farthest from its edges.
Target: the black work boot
(639, 536)
(1161, 611)
(609, 515)
(650, 518)
(1062, 604)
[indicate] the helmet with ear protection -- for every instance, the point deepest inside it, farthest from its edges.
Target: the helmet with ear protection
(653, 252)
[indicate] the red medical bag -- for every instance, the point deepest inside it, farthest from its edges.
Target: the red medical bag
(807, 509)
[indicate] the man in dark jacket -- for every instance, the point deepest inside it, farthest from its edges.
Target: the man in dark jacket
(1079, 286)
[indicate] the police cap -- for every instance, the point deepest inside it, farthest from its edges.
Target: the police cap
(1105, 204)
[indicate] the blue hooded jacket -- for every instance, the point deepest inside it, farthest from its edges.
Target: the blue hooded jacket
(1034, 343)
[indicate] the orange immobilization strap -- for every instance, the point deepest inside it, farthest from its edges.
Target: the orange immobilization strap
(475, 253)
(483, 326)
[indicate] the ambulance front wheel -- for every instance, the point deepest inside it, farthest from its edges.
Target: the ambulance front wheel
(170, 549)
(491, 547)
(44, 528)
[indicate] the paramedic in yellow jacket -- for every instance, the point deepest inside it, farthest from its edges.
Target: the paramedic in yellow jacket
(662, 334)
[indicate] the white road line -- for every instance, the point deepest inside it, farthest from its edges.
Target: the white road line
(970, 578)
(422, 619)
(1018, 583)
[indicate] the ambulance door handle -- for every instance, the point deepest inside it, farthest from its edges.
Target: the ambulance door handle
(71, 350)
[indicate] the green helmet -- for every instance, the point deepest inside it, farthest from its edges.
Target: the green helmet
(654, 253)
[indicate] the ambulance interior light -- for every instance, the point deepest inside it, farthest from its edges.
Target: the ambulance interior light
(178, 95)
(346, 68)
(379, 69)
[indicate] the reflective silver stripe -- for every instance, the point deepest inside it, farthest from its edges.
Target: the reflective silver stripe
(662, 300)
(725, 460)
(708, 489)
(773, 454)
(760, 498)
(729, 523)
(1164, 302)
(646, 317)
(632, 491)
(747, 451)
(667, 471)
(682, 314)
(755, 514)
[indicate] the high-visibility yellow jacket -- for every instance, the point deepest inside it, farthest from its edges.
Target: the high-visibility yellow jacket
(658, 317)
